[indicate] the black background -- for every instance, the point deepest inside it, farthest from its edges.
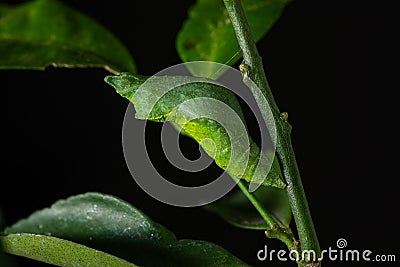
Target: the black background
(330, 65)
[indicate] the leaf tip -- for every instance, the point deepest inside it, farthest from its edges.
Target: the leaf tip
(125, 83)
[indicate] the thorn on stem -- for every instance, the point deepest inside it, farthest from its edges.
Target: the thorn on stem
(244, 68)
(284, 116)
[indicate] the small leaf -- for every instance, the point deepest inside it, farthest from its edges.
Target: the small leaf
(237, 210)
(58, 252)
(37, 34)
(111, 225)
(201, 128)
(208, 34)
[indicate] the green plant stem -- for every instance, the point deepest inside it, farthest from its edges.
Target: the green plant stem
(274, 228)
(255, 72)
(259, 207)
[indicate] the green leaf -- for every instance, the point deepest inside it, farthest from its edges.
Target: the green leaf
(237, 209)
(42, 33)
(208, 34)
(200, 253)
(99, 221)
(199, 129)
(111, 225)
(58, 252)
(89, 216)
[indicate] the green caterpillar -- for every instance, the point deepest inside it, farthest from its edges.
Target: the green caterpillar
(152, 103)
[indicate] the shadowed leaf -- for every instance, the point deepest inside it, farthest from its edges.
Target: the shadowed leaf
(237, 210)
(42, 33)
(111, 225)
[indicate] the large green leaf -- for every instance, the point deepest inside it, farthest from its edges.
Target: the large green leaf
(208, 34)
(202, 128)
(58, 252)
(237, 210)
(99, 221)
(111, 225)
(42, 33)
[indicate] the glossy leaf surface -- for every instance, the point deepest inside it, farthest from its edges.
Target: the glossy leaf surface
(114, 226)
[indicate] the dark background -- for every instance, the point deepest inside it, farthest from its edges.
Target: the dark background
(330, 65)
